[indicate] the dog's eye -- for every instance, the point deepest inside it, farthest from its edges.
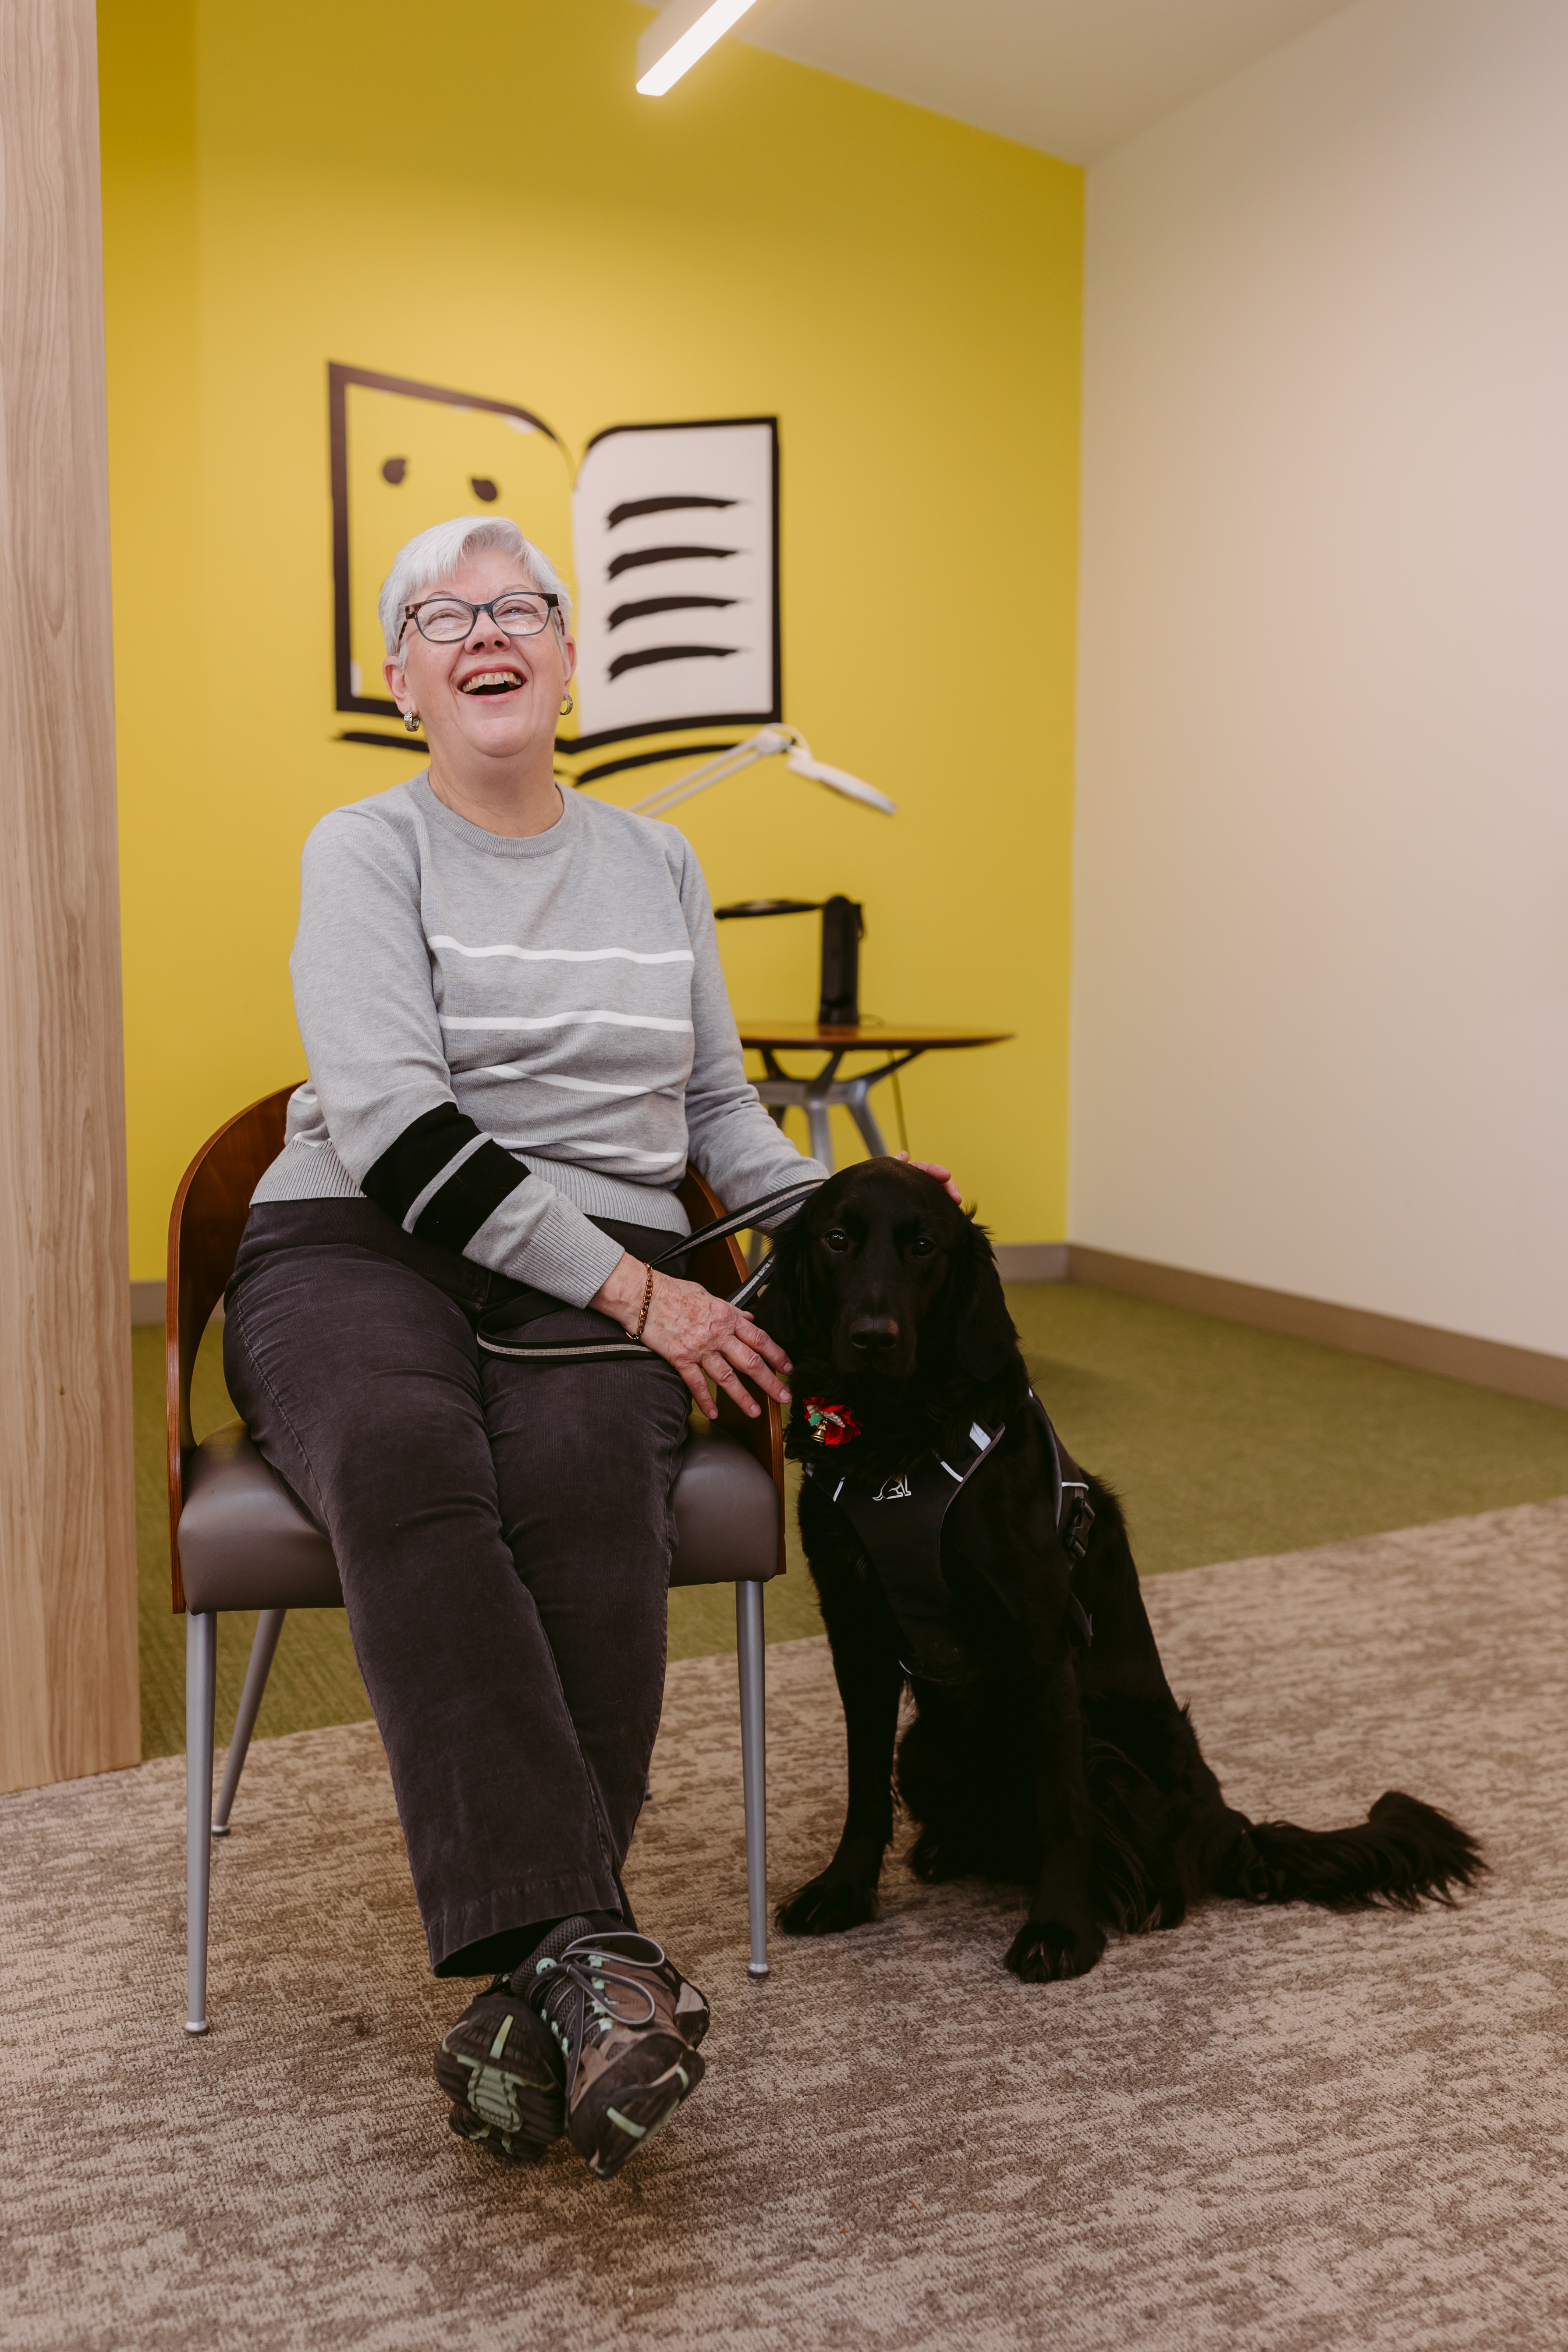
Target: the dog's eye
(922, 1248)
(837, 1241)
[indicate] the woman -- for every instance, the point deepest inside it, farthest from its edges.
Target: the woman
(517, 1034)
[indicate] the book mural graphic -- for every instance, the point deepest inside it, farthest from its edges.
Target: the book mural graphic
(667, 535)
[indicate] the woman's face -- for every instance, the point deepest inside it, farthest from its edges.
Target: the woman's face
(489, 693)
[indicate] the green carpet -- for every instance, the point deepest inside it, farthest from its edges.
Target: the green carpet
(1222, 1442)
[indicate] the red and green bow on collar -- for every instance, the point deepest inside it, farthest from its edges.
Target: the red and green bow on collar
(830, 1424)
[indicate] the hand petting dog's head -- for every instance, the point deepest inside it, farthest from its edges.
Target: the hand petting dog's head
(882, 1275)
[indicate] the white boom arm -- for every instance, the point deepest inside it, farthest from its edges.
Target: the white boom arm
(765, 745)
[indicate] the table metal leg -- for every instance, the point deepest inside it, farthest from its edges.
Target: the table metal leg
(819, 1096)
(857, 1101)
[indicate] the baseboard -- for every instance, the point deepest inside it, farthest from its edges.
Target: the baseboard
(1032, 1261)
(1420, 1346)
(147, 1305)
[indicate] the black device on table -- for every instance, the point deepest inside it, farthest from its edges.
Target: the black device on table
(843, 929)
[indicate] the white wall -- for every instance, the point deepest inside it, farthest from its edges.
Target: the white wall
(1320, 1025)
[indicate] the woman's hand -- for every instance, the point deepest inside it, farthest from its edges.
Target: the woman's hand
(698, 1334)
(933, 1168)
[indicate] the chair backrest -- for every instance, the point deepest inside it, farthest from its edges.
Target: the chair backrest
(205, 1229)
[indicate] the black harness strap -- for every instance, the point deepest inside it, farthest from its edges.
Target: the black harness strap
(1074, 1511)
(900, 1523)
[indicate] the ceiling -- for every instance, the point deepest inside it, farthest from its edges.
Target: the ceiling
(1073, 77)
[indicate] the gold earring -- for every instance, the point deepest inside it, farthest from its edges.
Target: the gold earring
(568, 705)
(411, 720)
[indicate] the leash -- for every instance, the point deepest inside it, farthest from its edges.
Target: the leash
(498, 1322)
(904, 1547)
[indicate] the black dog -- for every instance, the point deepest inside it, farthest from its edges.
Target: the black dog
(1039, 1751)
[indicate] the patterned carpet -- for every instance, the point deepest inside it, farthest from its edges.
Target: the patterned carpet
(1264, 2133)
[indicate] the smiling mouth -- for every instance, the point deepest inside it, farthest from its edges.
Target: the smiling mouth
(492, 681)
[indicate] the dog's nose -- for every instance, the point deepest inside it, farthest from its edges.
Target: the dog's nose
(874, 1336)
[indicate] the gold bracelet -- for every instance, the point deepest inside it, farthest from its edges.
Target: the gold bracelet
(646, 1303)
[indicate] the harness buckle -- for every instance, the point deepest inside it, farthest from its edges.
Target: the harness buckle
(1076, 1521)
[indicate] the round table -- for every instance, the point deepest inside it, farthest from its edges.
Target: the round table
(901, 1042)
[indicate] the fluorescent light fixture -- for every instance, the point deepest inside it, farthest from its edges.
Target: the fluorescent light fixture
(679, 34)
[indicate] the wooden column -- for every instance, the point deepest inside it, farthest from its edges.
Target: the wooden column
(68, 1700)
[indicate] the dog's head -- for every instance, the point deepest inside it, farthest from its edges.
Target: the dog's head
(882, 1274)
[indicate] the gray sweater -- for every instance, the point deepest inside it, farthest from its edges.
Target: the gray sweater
(507, 1037)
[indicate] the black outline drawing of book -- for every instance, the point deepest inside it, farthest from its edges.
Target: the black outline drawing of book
(668, 533)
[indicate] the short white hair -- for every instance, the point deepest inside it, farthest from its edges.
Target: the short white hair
(434, 555)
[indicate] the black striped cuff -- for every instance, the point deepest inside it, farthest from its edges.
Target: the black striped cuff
(424, 1147)
(473, 1192)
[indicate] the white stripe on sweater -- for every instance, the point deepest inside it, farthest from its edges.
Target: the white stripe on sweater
(421, 1201)
(595, 1151)
(565, 955)
(673, 1093)
(560, 1020)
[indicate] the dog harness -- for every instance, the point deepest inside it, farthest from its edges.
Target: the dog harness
(899, 1524)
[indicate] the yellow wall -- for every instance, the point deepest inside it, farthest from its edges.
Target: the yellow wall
(486, 203)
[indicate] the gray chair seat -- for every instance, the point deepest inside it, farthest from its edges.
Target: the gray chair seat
(244, 1542)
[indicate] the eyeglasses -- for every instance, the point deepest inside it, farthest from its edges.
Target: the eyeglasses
(447, 620)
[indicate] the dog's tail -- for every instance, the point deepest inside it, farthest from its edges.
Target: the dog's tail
(1403, 1852)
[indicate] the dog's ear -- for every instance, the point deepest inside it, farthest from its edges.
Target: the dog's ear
(782, 1308)
(984, 1339)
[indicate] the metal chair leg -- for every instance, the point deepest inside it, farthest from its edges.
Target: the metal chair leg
(750, 1652)
(201, 1675)
(263, 1649)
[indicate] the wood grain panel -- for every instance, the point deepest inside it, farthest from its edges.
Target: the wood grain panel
(68, 1556)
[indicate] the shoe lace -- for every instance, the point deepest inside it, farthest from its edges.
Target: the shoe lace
(584, 1991)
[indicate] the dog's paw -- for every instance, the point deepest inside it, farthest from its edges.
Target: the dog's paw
(1044, 1952)
(826, 1905)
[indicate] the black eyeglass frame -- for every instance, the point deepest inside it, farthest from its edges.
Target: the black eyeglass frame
(545, 596)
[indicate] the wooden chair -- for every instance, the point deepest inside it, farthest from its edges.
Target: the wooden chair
(238, 1539)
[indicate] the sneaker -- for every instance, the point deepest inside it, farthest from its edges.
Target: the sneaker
(504, 2075)
(628, 2025)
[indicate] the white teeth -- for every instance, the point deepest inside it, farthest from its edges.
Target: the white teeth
(507, 678)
